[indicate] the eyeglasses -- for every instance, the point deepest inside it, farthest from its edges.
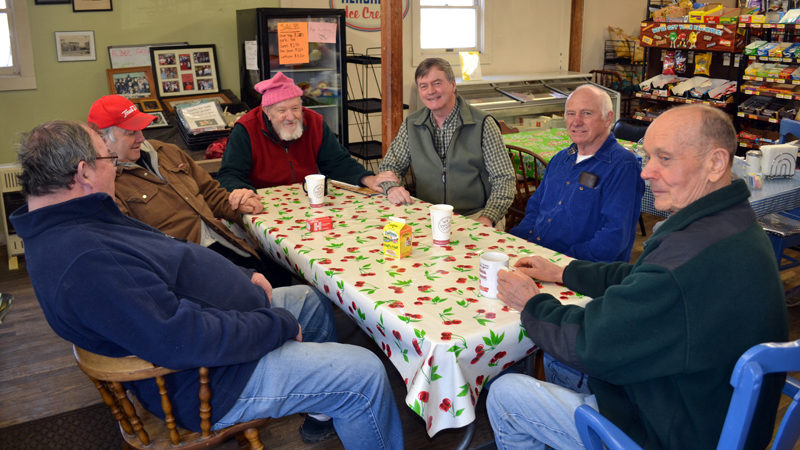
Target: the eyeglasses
(112, 156)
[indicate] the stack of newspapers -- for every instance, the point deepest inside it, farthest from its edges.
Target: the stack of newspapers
(201, 123)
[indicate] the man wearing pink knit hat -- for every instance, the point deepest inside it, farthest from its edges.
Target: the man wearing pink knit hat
(282, 142)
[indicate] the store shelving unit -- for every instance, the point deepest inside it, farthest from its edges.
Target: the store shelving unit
(364, 104)
(777, 98)
(723, 41)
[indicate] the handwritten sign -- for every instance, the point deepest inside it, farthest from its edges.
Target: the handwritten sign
(292, 43)
(322, 32)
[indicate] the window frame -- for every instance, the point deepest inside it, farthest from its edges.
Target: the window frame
(483, 39)
(24, 77)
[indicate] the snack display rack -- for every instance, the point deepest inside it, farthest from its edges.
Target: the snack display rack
(723, 42)
(767, 97)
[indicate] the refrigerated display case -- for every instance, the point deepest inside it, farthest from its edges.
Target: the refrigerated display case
(308, 46)
(522, 101)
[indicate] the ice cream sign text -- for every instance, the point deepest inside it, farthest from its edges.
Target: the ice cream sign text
(364, 15)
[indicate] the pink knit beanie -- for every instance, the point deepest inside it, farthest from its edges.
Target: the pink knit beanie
(277, 89)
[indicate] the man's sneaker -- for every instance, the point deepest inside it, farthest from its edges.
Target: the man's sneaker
(313, 430)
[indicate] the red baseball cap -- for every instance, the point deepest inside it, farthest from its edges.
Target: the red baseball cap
(116, 110)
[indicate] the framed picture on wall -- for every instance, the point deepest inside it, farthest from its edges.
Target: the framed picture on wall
(75, 46)
(91, 5)
(150, 105)
(52, 2)
(185, 70)
(161, 120)
(131, 82)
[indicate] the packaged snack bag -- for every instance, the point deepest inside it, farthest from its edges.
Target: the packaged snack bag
(668, 67)
(702, 63)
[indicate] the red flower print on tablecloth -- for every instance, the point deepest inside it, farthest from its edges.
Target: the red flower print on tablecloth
(484, 317)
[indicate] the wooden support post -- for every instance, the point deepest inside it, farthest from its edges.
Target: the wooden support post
(575, 35)
(391, 70)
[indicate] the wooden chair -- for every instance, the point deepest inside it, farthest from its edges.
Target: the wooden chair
(529, 168)
(613, 80)
(143, 430)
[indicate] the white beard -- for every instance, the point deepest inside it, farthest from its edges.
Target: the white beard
(293, 135)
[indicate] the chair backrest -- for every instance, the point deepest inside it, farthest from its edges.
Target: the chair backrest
(529, 168)
(139, 428)
(595, 430)
(505, 129)
(629, 130)
(746, 379)
(789, 127)
(607, 78)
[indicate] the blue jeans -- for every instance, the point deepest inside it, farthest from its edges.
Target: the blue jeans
(346, 382)
(528, 413)
(559, 373)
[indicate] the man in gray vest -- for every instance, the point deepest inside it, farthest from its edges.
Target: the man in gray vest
(456, 149)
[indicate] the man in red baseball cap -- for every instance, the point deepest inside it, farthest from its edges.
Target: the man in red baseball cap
(282, 142)
(160, 184)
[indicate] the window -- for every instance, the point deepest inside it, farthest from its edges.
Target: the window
(446, 27)
(16, 54)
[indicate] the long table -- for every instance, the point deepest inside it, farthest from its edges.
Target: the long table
(424, 311)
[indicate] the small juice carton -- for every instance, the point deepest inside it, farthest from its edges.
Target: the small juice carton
(319, 224)
(397, 238)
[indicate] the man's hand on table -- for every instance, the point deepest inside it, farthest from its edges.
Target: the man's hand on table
(245, 201)
(515, 288)
(486, 221)
(374, 181)
(259, 280)
(540, 268)
(399, 195)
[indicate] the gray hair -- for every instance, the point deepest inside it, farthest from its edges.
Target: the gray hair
(606, 105)
(49, 155)
(428, 63)
(714, 129)
(107, 133)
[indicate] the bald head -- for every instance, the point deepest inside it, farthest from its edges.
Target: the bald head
(702, 128)
(690, 151)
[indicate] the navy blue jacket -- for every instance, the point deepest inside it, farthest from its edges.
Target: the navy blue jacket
(595, 223)
(116, 286)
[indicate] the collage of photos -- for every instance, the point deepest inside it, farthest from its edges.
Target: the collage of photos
(185, 70)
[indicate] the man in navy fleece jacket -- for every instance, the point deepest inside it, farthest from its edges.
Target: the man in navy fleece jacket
(116, 286)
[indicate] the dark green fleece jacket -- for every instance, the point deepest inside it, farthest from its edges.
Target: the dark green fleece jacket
(661, 336)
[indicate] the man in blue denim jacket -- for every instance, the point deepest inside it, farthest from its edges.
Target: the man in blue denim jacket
(588, 203)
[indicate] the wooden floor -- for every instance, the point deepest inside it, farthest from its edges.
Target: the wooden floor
(38, 376)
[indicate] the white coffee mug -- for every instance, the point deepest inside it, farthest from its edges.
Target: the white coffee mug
(441, 218)
(491, 263)
(314, 185)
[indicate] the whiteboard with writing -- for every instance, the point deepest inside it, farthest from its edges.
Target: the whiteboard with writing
(122, 56)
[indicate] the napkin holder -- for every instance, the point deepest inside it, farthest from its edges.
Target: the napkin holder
(778, 160)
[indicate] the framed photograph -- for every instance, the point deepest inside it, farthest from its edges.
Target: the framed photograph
(150, 105)
(53, 2)
(161, 120)
(185, 70)
(135, 55)
(131, 82)
(75, 46)
(91, 5)
(171, 103)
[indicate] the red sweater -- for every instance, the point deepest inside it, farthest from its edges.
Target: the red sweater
(275, 162)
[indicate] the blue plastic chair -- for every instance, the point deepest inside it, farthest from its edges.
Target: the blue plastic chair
(746, 379)
(787, 127)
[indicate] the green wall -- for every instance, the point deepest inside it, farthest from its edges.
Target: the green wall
(66, 90)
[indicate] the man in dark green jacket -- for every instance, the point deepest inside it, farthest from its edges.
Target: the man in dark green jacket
(661, 336)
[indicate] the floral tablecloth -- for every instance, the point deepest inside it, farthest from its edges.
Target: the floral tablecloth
(424, 311)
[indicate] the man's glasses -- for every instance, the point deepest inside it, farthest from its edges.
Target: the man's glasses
(112, 156)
